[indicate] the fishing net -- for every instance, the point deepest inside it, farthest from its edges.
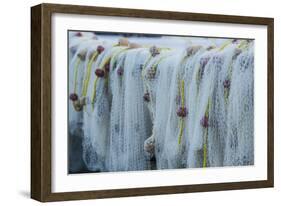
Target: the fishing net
(138, 108)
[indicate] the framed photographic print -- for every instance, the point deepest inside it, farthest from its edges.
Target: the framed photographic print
(129, 102)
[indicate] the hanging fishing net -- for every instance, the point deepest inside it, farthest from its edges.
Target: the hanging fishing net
(140, 107)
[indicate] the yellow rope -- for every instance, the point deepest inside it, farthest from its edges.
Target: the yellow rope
(165, 48)
(205, 149)
(213, 41)
(225, 44)
(118, 53)
(181, 88)
(96, 81)
(182, 92)
(181, 130)
(88, 74)
(182, 103)
(94, 91)
(106, 61)
(78, 60)
(243, 45)
(205, 155)
(145, 65)
(154, 66)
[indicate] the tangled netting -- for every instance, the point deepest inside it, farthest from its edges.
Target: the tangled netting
(141, 107)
